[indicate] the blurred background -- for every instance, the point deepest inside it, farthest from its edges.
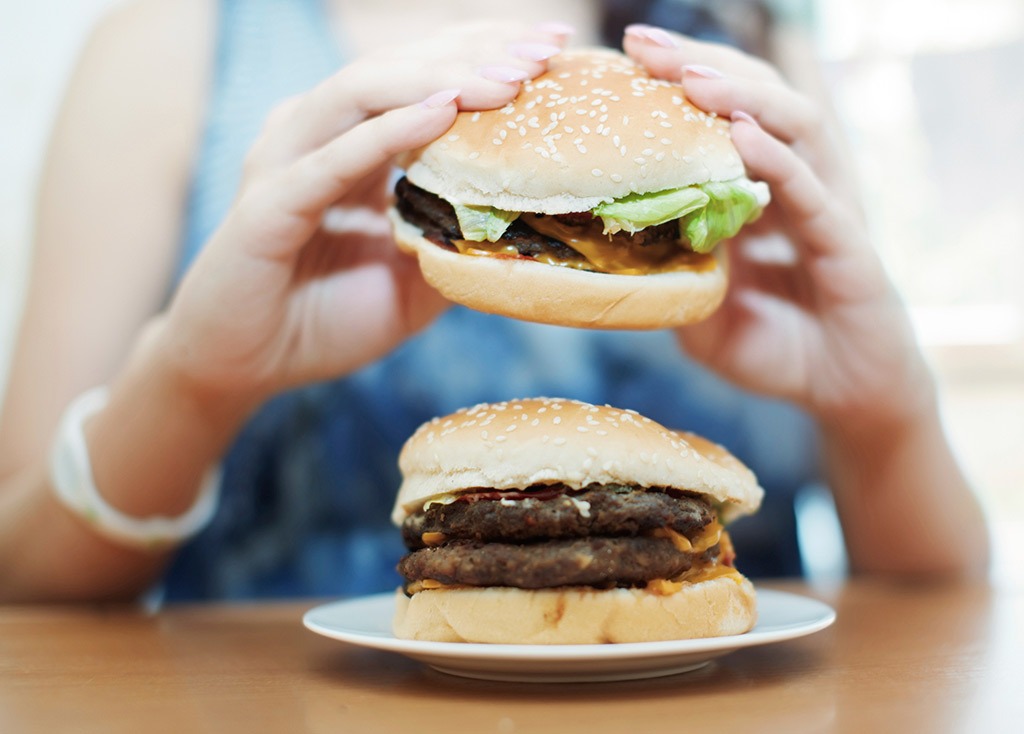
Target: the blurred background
(932, 99)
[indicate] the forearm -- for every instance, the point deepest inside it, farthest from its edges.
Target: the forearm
(149, 448)
(903, 501)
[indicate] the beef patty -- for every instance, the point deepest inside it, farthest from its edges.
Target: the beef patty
(556, 512)
(553, 536)
(600, 562)
(440, 225)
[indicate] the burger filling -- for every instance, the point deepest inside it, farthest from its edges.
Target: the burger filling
(547, 536)
(638, 234)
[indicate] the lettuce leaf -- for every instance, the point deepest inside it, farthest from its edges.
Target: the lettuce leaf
(708, 213)
(731, 204)
(479, 223)
(637, 211)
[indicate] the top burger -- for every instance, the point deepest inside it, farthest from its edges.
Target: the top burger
(596, 198)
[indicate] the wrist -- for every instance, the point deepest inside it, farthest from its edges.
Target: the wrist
(893, 409)
(159, 434)
(222, 405)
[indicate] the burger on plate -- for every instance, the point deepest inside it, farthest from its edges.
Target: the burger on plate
(549, 521)
(596, 198)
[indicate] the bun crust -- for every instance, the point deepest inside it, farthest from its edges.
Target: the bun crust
(548, 294)
(593, 128)
(569, 616)
(520, 443)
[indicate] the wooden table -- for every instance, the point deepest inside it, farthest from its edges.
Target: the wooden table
(899, 659)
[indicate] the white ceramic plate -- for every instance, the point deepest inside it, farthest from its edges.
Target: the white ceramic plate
(367, 622)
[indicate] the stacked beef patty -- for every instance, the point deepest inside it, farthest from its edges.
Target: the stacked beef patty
(603, 536)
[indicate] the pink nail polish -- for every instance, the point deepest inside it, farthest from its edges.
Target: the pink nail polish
(740, 115)
(556, 28)
(505, 74)
(704, 72)
(650, 34)
(440, 99)
(534, 51)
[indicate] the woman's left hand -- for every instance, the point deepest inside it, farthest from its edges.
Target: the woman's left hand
(810, 314)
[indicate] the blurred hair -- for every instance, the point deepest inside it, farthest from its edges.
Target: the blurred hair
(745, 24)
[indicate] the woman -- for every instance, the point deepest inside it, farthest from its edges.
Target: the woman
(282, 276)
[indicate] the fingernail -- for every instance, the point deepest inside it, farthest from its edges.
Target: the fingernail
(534, 51)
(740, 115)
(506, 74)
(705, 72)
(440, 99)
(556, 28)
(650, 34)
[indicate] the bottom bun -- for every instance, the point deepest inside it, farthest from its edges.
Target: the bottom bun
(548, 294)
(576, 616)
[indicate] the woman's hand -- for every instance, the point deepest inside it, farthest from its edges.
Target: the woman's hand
(303, 281)
(810, 314)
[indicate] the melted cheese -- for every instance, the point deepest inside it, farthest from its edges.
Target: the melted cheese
(597, 252)
(713, 534)
(708, 538)
(707, 572)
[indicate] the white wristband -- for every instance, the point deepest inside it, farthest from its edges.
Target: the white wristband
(71, 475)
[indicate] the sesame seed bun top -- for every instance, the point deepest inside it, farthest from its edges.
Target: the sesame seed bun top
(520, 443)
(595, 127)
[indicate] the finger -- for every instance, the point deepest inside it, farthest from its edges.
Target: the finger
(785, 113)
(779, 109)
(800, 196)
(664, 54)
(829, 237)
(489, 75)
(285, 209)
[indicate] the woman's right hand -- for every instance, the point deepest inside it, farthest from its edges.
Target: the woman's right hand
(302, 281)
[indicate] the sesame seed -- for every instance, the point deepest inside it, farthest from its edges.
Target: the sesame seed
(557, 420)
(596, 171)
(582, 429)
(559, 440)
(616, 178)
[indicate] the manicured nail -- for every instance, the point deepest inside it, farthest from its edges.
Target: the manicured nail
(740, 115)
(650, 34)
(704, 72)
(506, 74)
(534, 51)
(556, 28)
(440, 99)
